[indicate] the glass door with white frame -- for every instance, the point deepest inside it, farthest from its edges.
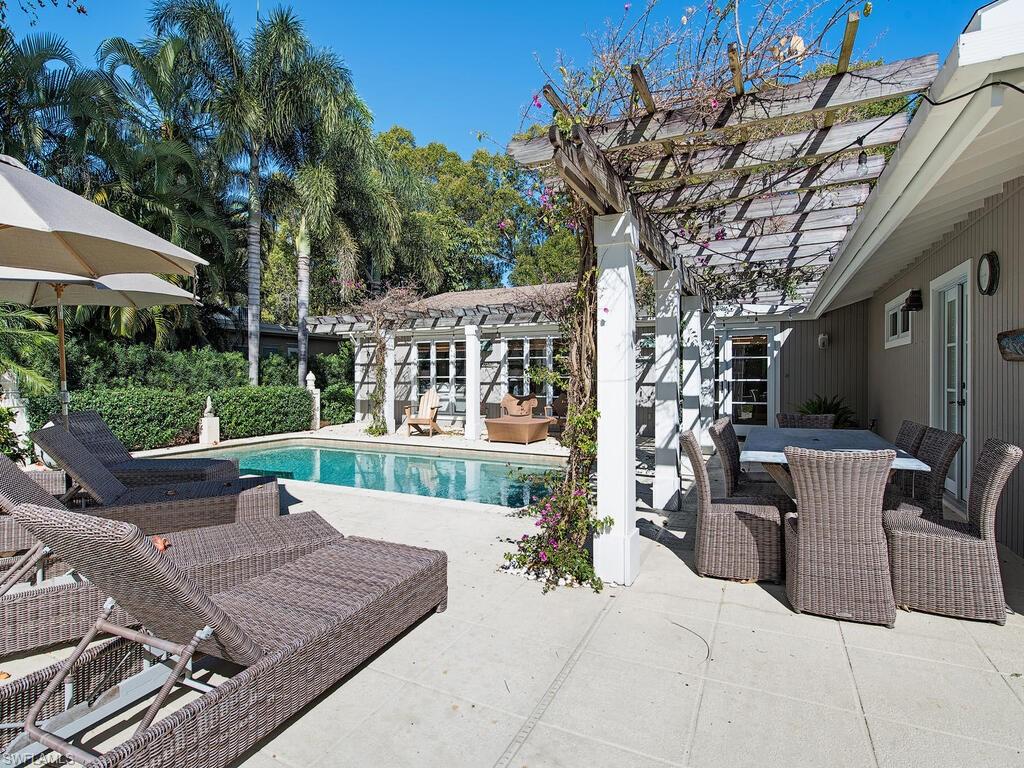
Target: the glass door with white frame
(953, 378)
(745, 378)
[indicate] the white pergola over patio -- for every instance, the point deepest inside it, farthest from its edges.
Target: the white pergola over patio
(787, 200)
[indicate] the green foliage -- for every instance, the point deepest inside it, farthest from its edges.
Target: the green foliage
(338, 403)
(337, 368)
(279, 371)
(25, 340)
(251, 411)
(10, 445)
(141, 417)
(836, 404)
(556, 259)
(558, 554)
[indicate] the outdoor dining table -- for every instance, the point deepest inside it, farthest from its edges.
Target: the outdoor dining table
(765, 445)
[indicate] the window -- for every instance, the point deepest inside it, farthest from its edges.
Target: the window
(897, 322)
(524, 354)
(442, 364)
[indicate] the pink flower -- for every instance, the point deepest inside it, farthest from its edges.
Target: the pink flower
(714, 103)
(502, 224)
(536, 101)
(543, 556)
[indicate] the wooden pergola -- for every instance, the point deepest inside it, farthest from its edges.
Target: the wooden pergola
(733, 190)
(736, 213)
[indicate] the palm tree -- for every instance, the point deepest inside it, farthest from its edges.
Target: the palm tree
(262, 91)
(23, 334)
(34, 78)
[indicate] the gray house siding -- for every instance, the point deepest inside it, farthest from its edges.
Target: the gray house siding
(898, 378)
(839, 369)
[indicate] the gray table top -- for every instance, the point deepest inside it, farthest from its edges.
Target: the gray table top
(765, 444)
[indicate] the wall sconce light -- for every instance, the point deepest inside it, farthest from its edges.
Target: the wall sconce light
(823, 341)
(914, 302)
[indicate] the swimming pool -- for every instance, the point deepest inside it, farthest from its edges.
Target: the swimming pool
(442, 477)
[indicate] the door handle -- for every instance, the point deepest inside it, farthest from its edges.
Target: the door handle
(961, 403)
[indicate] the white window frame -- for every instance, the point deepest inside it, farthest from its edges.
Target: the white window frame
(549, 362)
(903, 337)
(450, 406)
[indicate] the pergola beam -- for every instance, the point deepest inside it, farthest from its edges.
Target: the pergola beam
(591, 168)
(791, 239)
(845, 53)
(795, 256)
(736, 67)
(808, 97)
(756, 214)
(749, 187)
(642, 89)
(771, 225)
(808, 145)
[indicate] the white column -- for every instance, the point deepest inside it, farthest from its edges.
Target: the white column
(616, 551)
(389, 382)
(698, 349)
(667, 289)
(472, 382)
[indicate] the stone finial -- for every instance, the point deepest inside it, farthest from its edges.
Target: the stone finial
(209, 407)
(310, 381)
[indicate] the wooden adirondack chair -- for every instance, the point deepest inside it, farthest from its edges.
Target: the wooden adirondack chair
(426, 415)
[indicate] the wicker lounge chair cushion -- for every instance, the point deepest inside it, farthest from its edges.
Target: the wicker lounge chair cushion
(319, 589)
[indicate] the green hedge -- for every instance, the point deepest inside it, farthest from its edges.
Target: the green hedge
(144, 418)
(141, 417)
(338, 404)
(252, 411)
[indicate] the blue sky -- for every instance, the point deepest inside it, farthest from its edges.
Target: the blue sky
(448, 70)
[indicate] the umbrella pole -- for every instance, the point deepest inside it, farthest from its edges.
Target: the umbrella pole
(64, 398)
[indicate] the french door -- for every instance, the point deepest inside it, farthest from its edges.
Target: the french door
(442, 364)
(953, 414)
(746, 380)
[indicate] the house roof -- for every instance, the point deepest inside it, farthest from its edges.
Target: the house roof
(953, 156)
(516, 296)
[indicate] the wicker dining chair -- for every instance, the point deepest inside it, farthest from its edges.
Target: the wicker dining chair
(837, 563)
(938, 449)
(737, 481)
(806, 420)
(952, 568)
(909, 439)
(737, 538)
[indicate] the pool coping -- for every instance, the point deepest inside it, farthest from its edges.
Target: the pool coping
(461, 505)
(315, 439)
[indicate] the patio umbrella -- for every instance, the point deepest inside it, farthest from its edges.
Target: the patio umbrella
(44, 226)
(35, 288)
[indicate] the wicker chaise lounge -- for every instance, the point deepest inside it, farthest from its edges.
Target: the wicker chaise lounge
(805, 420)
(95, 435)
(42, 604)
(737, 538)
(196, 504)
(952, 568)
(295, 631)
(836, 559)
(517, 424)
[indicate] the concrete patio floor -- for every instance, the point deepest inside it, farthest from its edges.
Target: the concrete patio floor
(675, 670)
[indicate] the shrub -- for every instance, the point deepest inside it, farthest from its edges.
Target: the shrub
(279, 371)
(836, 405)
(141, 417)
(338, 403)
(252, 411)
(338, 368)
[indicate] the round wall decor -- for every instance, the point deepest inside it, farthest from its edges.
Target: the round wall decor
(988, 273)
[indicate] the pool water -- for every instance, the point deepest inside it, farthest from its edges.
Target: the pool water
(488, 482)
